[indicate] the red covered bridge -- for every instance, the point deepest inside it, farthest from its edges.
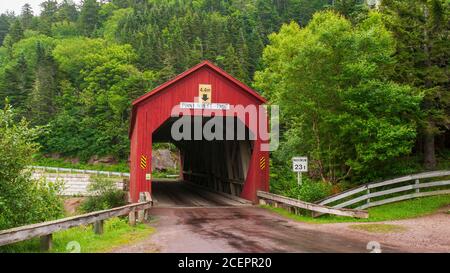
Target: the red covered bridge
(228, 163)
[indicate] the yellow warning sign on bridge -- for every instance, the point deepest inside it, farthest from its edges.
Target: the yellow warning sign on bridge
(204, 93)
(262, 163)
(143, 163)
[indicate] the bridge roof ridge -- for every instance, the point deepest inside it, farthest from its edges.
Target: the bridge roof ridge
(192, 70)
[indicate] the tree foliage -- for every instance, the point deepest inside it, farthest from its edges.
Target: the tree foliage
(22, 200)
(338, 105)
(421, 29)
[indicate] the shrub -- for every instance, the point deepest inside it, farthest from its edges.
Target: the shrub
(103, 195)
(309, 191)
(22, 199)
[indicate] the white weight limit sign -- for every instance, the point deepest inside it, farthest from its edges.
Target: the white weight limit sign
(300, 165)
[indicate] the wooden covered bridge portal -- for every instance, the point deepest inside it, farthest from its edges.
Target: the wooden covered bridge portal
(229, 164)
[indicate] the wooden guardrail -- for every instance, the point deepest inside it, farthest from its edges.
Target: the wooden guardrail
(46, 229)
(266, 197)
(384, 188)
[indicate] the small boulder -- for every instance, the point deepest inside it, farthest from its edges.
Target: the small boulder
(164, 159)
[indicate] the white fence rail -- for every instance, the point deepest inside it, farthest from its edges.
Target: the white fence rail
(389, 190)
(69, 170)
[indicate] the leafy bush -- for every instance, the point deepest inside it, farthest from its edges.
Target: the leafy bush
(22, 200)
(286, 185)
(103, 195)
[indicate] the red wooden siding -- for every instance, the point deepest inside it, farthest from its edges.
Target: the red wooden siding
(154, 108)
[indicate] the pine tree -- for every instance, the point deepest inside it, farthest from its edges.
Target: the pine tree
(48, 16)
(5, 22)
(16, 83)
(233, 64)
(422, 30)
(42, 97)
(67, 11)
(26, 17)
(16, 31)
(89, 17)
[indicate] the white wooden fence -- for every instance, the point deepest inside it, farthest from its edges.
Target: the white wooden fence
(380, 193)
(69, 170)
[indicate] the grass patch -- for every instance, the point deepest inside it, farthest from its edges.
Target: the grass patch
(117, 232)
(395, 211)
(379, 228)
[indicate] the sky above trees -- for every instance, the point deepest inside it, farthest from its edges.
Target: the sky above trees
(16, 5)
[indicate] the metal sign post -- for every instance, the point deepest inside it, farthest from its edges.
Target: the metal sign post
(300, 165)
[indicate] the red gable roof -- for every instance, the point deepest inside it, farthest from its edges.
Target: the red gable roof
(190, 71)
(185, 74)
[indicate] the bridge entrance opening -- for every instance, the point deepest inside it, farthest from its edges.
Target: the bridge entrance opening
(212, 171)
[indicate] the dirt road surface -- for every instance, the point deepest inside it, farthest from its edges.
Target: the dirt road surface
(192, 221)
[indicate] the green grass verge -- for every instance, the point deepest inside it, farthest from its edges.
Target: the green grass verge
(395, 211)
(117, 233)
(379, 228)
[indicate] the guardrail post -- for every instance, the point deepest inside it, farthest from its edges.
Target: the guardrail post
(46, 242)
(98, 227)
(132, 218)
(262, 201)
(141, 212)
(417, 183)
(368, 192)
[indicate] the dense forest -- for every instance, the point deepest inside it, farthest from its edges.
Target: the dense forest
(362, 86)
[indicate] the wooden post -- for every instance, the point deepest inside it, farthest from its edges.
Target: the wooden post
(141, 212)
(98, 227)
(368, 192)
(46, 242)
(148, 198)
(417, 183)
(132, 218)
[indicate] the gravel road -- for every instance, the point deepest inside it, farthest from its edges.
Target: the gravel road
(191, 221)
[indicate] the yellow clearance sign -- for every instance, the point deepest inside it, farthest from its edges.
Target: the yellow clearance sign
(143, 162)
(204, 93)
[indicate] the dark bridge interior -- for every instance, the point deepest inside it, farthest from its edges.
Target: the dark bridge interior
(218, 165)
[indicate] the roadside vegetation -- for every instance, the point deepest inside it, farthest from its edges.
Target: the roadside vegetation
(362, 89)
(22, 199)
(103, 194)
(396, 211)
(117, 233)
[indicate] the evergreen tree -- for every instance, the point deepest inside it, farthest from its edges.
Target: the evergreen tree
(26, 17)
(16, 31)
(233, 64)
(16, 83)
(42, 97)
(67, 11)
(422, 31)
(48, 16)
(4, 27)
(89, 17)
